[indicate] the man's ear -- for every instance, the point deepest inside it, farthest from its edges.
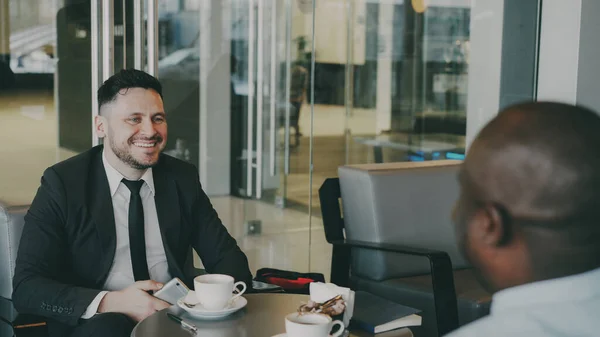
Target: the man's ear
(100, 126)
(491, 226)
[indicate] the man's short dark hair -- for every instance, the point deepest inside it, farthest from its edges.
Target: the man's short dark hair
(125, 79)
(559, 175)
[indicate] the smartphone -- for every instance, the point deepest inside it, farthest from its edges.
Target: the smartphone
(172, 291)
(266, 287)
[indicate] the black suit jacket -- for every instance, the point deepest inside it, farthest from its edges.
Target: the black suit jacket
(69, 239)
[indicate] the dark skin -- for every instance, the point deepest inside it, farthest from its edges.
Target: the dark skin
(529, 196)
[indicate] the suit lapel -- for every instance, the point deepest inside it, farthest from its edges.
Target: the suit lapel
(166, 199)
(100, 205)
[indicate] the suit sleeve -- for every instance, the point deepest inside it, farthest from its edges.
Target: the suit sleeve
(219, 251)
(40, 283)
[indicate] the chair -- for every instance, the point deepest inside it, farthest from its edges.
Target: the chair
(11, 228)
(396, 240)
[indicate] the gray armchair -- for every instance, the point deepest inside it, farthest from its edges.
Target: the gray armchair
(396, 240)
(11, 227)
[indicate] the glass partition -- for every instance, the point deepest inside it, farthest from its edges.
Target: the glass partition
(390, 85)
(267, 98)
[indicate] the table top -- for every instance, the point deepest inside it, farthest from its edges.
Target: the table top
(264, 316)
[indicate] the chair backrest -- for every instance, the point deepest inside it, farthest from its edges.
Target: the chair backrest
(402, 203)
(11, 228)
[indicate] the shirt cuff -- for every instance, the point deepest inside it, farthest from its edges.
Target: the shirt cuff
(92, 309)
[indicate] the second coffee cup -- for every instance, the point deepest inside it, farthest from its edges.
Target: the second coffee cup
(215, 291)
(311, 325)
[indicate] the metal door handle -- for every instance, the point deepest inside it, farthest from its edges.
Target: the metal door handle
(288, 85)
(108, 41)
(259, 98)
(152, 33)
(95, 59)
(250, 122)
(138, 33)
(273, 86)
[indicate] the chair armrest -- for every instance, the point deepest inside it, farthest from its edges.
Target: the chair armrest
(442, 278)
(9, 325)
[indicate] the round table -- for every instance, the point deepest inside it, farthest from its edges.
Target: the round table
(264, 316)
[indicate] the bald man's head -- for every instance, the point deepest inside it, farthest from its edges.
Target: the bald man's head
(531, 193)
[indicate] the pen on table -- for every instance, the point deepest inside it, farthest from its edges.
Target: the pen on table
(182, 322)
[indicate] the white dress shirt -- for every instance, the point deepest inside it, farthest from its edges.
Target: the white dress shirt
(568, 306)
(120, 275)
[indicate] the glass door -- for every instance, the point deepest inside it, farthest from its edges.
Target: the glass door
(274, 129)
(276, 70)
(248, 155)
(259, 52)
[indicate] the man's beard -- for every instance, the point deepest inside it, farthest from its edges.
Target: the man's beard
(126, 157)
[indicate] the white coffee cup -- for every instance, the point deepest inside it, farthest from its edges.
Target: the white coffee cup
(215, 291)
(313, 325)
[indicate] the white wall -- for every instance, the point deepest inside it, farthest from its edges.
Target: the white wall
(570, 52)
(332, 34)
(331, 31)
(559, 50)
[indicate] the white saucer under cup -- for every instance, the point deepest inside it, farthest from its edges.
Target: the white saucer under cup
(198, 311)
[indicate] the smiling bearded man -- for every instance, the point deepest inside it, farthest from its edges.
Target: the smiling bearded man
(111, 225)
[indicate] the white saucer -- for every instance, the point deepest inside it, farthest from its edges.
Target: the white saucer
(200, 312)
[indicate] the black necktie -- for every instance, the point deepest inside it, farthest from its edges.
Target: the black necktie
(137, 241)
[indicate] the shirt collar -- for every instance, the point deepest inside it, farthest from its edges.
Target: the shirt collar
(115, 177)
(564, 289)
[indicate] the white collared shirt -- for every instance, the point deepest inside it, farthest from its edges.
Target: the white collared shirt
(567, 306)
(120, 275)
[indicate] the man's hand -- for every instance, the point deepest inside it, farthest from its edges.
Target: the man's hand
(134, 301)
